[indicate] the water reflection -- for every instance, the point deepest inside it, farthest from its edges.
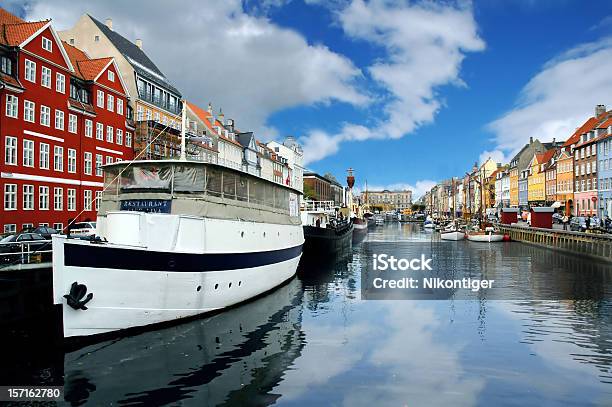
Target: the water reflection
(314, 341)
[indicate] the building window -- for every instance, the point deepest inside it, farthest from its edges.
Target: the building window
(45, 77)
(60, 83)
(12, 103)
(87, 163)
(594, 167)
(109, 134)
(139, 113)
(28, 153)
(10, 197)
(72, 160)
(97, 38)
(87, 200)
(10, 228)
(58, 226)
(148, 114)
(88, 128)
(100, 99)
(43, 198)
(98, 165)
(58, 199)
(43, 159)
(109, 159)
(72, 123)
(97, 200)
(110, 102)
(28, 111)
(111, 76)
(120, 106)
(7, 65)
(45, 116)
(59, 119)
(128, 139)
(10, 150)
(58, 158)
(28, 197)
(99, 131)
(30, 71)
(119, 136)
(47, 44)
(71, 199)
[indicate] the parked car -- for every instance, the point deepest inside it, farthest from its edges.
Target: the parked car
(578, 224)
(83, 229)
(557, 217)
(20, 242)
(44, 231)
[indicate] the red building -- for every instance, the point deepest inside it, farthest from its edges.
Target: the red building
(62, 116)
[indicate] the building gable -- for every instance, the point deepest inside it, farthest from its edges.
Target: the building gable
(57, 55)
(117, 83)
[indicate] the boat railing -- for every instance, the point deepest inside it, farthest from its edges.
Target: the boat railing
(31, 254)
(318, 206)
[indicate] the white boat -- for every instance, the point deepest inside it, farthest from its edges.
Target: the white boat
(380, 221)
(485, 237)
(452, 235)
(428, 224)
(176, 239)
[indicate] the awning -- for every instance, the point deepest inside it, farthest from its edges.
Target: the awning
(556, 205)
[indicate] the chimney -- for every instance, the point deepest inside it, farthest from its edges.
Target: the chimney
(530, 140)
(139, 43)
(209, 108)
(221, 116)
(109, 23)
(599, 110)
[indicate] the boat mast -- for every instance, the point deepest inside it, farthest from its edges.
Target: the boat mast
(183, 123)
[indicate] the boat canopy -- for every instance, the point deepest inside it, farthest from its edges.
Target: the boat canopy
(195, 179)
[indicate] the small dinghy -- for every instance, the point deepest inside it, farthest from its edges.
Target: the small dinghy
(452, 235)
(488, 237)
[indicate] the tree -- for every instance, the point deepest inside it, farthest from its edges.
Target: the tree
(330, 177)
(309, 192)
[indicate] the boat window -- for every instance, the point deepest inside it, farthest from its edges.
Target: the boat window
(146, 178)
(229, 185)
(213, 181)
(242, 190)
(188, 179)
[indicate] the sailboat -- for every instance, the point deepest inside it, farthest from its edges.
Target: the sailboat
(451, 232)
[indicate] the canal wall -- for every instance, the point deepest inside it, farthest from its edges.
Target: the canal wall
(588, 244)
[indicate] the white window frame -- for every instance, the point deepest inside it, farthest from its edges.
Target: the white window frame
(28, 153)
(97, 199)
(10, 150)
(119, 137)
(10, 197)
(28, 197)
(45, 116)
(60, 83)
(110, 136)
(87, 200)
(119, 106)
(30, 71)
(98, 165)
(100, 99)
(58, 199)
(12, 106)
(58, 158)
(43, 198)
(29, 111)
(99, 131)
(45, 77)
(59, 119)
(47, 44)
(110, 102)
(43, 156)
(72, 160)
(72, 123)
(71, 199)
(111, 76)
(88, 128)
(87, 163)
(128, 139)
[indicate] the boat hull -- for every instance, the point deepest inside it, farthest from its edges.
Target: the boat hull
(360, 229)
(452, 236)
(323, 243)
(135, 287)
(487, 238)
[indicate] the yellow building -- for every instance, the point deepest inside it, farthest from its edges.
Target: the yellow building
(482, 188)
(514, 190)
(536, 181)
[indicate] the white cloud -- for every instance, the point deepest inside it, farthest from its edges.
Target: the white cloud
(559, 98)
(424, 43)
(496, 155)
(214, 51)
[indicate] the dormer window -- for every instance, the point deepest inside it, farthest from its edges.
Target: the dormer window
(47, 44)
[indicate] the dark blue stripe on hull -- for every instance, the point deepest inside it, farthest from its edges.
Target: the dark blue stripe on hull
(100, 256)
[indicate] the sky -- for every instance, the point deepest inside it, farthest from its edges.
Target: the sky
(405, 92)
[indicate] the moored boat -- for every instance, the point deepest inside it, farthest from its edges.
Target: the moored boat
(487, 237)
(325, 233)
(452, 235)
(175, 239)
(360, 229)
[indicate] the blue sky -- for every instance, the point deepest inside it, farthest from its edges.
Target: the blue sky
(406, 92)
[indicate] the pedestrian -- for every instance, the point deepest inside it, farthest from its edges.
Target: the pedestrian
(565, 220)
(588, 222)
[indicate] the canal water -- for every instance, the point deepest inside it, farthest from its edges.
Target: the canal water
(314, 341)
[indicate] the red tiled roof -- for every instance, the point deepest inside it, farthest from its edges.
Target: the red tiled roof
(9, 18)
(205, 117)
(81, 106)
(586, 127)
(15, 34)
(605, 124)
(91, 68)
